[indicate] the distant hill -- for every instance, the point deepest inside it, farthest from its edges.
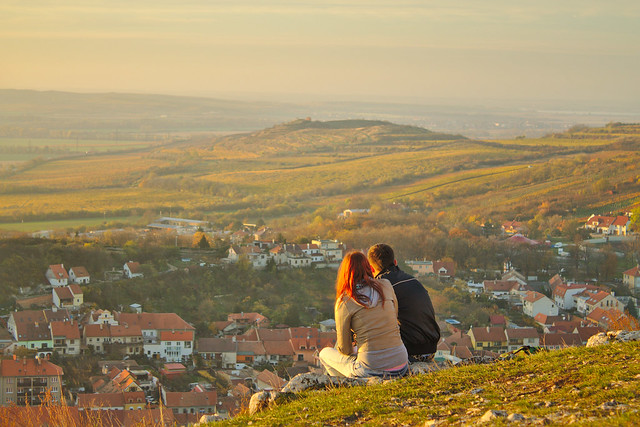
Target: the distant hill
(346, 135)
(134, 112)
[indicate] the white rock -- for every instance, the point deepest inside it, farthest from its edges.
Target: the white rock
(261, 400)
(493, 414)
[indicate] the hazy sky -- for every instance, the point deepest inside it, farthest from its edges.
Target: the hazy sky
(346, 49)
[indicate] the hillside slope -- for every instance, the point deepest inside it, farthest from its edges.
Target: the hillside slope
(585, 386)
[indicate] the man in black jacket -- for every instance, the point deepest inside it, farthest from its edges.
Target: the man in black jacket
(418, 327)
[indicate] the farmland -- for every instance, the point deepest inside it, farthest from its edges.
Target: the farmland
(304, 168)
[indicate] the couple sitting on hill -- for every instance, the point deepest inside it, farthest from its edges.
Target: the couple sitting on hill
(384, 318)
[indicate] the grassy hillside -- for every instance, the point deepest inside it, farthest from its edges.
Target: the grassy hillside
(585, 386)
(309, 168)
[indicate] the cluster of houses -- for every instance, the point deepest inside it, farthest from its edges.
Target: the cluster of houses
(318, 253)
(57, 275)
(491, 341)
(156, 335)
(26, 383)
(608, 225)
(594, 304)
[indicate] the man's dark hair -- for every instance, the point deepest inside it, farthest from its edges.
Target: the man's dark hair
(381, 256)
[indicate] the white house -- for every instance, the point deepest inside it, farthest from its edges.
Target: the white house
(331, 249)
(613, 225)
(57, 275)
(298, 260)
(70, 297)
(132, 269)
(166, 335)
(631, 278)
(563, 294)
(535, 303)
(79, 275)
(104, 317)
(603, 300)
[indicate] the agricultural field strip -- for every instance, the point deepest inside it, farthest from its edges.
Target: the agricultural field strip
(363, 171)
(553, 142)
(108, 200)
(455, 178)
(85, 173)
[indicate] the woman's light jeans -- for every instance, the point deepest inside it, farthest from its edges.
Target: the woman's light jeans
(338, 364)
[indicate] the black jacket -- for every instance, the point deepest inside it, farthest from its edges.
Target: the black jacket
(418, 327)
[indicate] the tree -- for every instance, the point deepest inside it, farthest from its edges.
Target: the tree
(201, 241)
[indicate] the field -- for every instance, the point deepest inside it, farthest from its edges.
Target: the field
(303, 167)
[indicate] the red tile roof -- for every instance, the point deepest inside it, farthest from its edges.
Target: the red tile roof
(635, 272)
(488, 334)
(176, 336)
(327, 339)
(63, 293)
(459, 338)
(462, 351)
(58, 271)
(96, 330)
(216, 345)
(605, 317)
(620, 221)
(587, 332)
(158, 321)
(251, 348)
(544, 319)
(278, 348)
(517, 333)
(191, 400)
(125, 331)
(563, 340)
(555, 281)
(561, 289)
(33, 331)
(69, 330)
(75, 289)
(29, 368)
(273, 334)
(134, 267)
(80, 271)
(533, 296)
(600, 221)
(597, 297)
(256, 318)
(499, 285)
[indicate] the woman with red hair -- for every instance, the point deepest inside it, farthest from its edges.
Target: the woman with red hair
(366, 311)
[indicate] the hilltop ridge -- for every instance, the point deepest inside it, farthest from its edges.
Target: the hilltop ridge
(308, 135)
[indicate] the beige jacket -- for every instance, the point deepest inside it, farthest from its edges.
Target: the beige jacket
(375, 328)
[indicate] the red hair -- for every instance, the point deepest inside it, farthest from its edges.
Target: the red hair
(356, 270)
